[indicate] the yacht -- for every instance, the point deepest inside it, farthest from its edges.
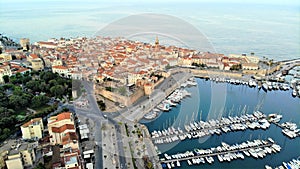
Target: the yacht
(265, 87)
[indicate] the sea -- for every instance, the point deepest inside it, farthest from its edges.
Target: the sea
(269, 29)
(211, 100)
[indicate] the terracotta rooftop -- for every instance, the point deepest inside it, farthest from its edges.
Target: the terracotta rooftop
(35, 120)
(63, 128)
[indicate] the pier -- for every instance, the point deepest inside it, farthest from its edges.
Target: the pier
(257, 120)
(225, 152)
(289, 129)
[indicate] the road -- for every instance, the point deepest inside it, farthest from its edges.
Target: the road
(95, 114)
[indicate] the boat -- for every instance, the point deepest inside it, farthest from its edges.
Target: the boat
(150, 115)
(268, 167)
(169, 166)
(294, 93)
(189, 162)
(178, 163)
(265, 87)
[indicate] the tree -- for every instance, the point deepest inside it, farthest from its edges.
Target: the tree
(6, 78)
(38, 101)
(47, 76)
(40, 166)
(18, 91)
(33, 85)
(15, 101)
(101, 105)
(3, 99)
(57, 90)
(53, 82)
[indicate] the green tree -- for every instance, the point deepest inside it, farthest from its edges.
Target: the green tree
(34, 85)
(17, 90)
(47, 76)
(15, 101)
(57, 90)
(40, 166)
(3, 99)
(53, 82)
(6, 78)
(38, 101)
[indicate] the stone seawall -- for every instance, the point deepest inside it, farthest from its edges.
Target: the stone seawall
(115, 97)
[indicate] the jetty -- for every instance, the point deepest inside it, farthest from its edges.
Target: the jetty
(224, 152)
(289, 129)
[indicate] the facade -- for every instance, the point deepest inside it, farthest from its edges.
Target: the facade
(4, 70)
(61, 70)
(59, 126)
(27, 154)
(4, 57)
(37, 64)
(33, 129)
(25, 43)
(14, 160)
(250, 66)
(22, 156)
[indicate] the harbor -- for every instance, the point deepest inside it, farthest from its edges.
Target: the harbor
(176, 121)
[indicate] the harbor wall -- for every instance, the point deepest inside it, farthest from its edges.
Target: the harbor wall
(214, 73)
(115, 97)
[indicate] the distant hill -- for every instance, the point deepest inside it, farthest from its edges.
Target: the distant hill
(6, 43)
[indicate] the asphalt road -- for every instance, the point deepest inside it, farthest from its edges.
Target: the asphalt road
(97, 115)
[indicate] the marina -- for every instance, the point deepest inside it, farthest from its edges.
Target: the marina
(174, 127)
(224, 153)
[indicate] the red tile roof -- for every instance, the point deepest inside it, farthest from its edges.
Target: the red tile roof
(31, 122)
(63, 128)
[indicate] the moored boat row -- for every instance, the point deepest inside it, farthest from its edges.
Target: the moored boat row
(257, 120)
(224, 152)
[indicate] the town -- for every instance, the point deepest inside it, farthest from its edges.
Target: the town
(63, 101)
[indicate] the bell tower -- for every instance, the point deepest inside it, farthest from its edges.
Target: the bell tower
(156, 41)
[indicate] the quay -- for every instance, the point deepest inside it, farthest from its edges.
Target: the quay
(256, 149)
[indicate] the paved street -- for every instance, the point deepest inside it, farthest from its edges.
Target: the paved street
(95, 114)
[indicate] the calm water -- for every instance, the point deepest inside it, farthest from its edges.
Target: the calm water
(268, 30)
(237, 99)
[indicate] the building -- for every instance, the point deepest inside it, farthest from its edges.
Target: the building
(61, 70)
(50, 45)
(27, 153)
(33, 129)
(148, 88)
(25, 43)
(250, 66)
(4, 71)
(14, 160)
(4, 57)
(21, 156)
(37, 64)
(59, 126)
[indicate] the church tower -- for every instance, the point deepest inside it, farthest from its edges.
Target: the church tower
(156, 41)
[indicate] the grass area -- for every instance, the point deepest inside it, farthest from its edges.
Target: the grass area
(42, 109)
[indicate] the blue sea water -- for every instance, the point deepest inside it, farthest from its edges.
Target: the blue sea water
(267, 29)
(238, 98)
